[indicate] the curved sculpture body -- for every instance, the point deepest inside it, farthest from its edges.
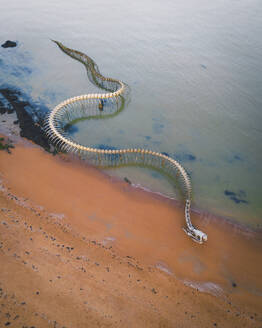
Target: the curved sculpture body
(109, 104)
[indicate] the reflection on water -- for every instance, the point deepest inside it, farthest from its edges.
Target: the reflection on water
(195, 73)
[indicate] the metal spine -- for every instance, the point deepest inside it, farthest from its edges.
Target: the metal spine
(109, 104)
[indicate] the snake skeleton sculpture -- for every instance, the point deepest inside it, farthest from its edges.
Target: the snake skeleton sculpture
(98, 105)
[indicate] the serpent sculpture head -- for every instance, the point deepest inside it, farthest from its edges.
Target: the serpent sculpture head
(196, 235)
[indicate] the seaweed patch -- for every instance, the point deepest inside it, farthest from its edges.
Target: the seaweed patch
(191, 157)
(238, 158)
(28, 114)
(6, 145)
(236, 197)
(184, 157)
(235, 158)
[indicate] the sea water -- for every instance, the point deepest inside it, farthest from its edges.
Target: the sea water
(195, 73)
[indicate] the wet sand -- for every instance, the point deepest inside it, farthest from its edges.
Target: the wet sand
(79, 249)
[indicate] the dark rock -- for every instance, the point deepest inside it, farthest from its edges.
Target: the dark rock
(29, 129)
(229, 193)
(127, 180)
(238, 200)
(234, 284)
(9, 44)
(236, 197)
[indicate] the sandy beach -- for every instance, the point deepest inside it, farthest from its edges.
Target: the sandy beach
(80, 249)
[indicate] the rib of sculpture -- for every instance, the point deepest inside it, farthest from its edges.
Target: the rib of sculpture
(105, 105)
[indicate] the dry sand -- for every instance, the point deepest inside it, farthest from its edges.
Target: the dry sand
(78, 249)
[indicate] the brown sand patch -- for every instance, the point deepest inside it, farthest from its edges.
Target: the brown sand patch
(117, 256)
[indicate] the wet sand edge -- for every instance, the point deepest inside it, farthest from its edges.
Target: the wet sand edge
(139, 225)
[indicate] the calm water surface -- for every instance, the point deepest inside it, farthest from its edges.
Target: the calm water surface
(195, 73)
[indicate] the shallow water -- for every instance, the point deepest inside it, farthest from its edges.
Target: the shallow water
(195, 73)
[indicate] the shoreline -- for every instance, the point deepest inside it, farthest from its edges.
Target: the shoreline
(206, 216)
(23, 128)
(218, 219)
(141, 227)
(232, 222)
